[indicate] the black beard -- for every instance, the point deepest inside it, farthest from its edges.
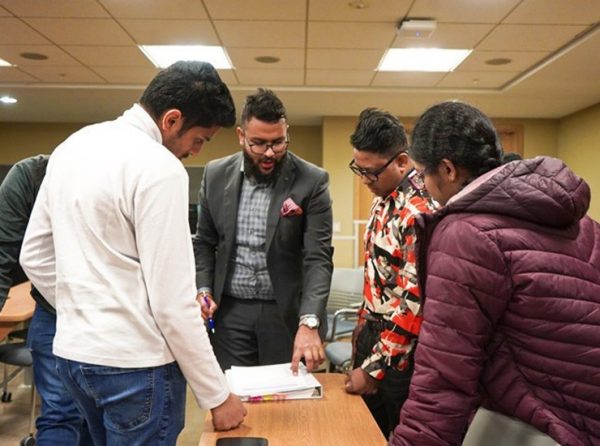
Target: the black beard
(251, 170)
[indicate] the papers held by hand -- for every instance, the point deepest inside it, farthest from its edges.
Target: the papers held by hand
(272, 383)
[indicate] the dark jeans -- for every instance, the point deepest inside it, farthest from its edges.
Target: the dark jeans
(250, 332)
(392, 391)
(59, 422)
(128, 407)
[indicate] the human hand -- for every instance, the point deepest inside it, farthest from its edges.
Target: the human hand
(207, 304)
(229, 415)
(307, 345)
(360, 382)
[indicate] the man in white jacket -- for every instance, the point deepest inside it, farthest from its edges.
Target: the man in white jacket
(108, 243)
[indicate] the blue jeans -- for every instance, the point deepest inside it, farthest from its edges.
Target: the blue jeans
(128, 407)
(60, 422)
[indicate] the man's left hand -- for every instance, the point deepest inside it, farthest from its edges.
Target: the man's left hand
(307, 345)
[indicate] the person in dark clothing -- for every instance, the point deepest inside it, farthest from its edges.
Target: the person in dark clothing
(60, 422)
(510, 268)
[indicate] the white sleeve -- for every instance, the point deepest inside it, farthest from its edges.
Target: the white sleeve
(38, 258)
(167, 260)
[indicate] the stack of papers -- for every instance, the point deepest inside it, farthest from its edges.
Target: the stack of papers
(272, 383)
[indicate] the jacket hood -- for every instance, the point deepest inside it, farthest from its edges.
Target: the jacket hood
(541, 190)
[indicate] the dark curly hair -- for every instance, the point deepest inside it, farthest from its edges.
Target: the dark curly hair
(263, 105)
(458, 132)
(195, 89)
(379, 132)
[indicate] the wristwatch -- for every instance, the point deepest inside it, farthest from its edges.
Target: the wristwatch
(310, 320)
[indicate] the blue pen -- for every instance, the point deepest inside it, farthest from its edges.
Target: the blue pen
(211, 321)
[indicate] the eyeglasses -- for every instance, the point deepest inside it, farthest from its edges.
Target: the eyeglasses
(261, 148)
(373, 175)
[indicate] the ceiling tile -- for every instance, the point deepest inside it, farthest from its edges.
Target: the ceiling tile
(373, 10)
(81, 31)
(109, 56)
(582, 12)
(228, 76)
(344, 78)
(269, 77)
(529, 37)
(450, 36)
(341, 59)
(155, 9)
(288, 58)
(253, 10)
(64, 75)
(171, 32)
(132, 75)
(520, 60)
(11, 74)
(350, 35)
(56, 56)
(406, 79)
(261, 34)
(476, 79)
(15, 32)
(463, 11)
(54, 8)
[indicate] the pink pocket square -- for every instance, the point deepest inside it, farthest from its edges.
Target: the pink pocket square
(289, 209)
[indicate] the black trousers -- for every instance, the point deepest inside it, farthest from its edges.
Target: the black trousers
(384, 405)
(250, 332)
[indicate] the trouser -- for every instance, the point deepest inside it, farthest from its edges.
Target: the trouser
(250, 332)
(59, 422)
(128, 406)
(392, 391)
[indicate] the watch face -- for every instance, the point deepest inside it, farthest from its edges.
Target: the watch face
(311, 322)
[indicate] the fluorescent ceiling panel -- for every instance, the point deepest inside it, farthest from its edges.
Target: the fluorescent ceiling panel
(164, 55)
(422, 59)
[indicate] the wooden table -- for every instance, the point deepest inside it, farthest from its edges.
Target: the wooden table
(18, 308)
(336, 419)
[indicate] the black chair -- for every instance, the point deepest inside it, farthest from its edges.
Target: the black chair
(17, 354)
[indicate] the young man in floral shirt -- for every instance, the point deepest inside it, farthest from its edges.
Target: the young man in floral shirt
(391, 315)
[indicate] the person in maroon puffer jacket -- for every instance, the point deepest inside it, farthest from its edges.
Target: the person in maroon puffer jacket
(510, 271)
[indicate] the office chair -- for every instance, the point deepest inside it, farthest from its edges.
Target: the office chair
(17, 354)
(345, 299)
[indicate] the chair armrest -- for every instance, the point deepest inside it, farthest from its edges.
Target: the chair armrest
(341, 315)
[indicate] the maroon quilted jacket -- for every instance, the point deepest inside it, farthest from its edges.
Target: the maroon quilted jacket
(512, 309)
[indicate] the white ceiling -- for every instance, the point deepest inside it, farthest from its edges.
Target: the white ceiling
(328, 53)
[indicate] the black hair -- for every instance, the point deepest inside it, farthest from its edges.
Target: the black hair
(263, 105)
(195, 89)
(379, 132)
(458, 132)
(511, 156)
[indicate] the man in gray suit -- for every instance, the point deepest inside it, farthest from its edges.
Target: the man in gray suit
(263, 246)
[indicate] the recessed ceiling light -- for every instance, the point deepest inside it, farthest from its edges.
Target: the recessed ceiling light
(498, 61)
(164, 55)
(267, 59)
(4, 63)
(422, 59)
(357, 4)
(8, 100)
(33, 56)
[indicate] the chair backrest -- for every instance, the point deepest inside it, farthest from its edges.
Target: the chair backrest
(346, 288)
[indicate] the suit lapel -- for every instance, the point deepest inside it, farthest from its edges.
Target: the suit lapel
(281, 191)
(231, 197)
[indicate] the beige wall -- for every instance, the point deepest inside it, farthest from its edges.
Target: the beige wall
(579, 147)
(20, 140)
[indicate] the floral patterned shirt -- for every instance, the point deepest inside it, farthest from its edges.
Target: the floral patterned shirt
(391, 290)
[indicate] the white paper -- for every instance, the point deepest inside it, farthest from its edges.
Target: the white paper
(269, 380)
